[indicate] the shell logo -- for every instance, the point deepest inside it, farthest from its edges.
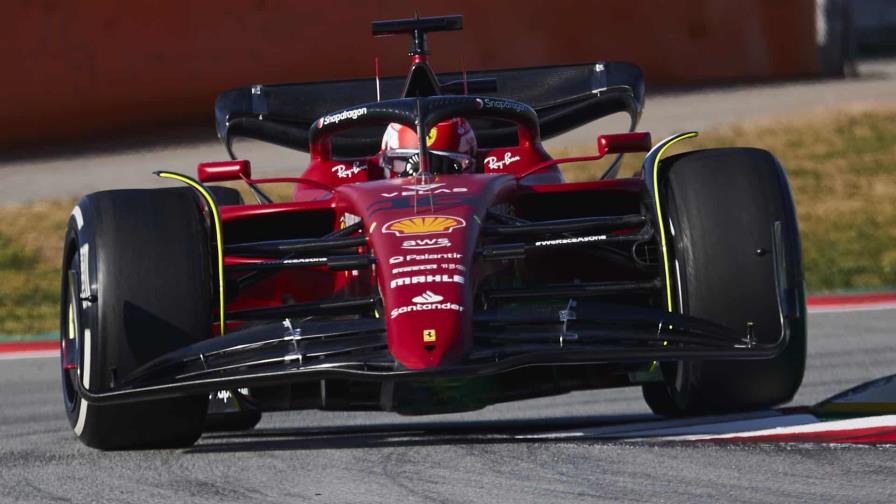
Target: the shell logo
(432, 224)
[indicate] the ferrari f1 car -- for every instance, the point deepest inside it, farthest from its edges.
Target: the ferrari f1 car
(432, 276)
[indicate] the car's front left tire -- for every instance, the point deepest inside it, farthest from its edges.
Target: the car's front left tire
(139, 263)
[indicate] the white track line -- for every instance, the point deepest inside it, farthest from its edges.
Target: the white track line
(851, 308)
(674, 426)
(36, 354)
(810, 427)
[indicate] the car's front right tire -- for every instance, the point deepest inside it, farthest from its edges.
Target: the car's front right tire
(722, 208)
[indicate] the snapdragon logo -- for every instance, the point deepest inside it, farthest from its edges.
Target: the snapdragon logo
(503, 104)
(345, 114)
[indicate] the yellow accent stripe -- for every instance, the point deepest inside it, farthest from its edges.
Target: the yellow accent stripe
(218, 235)
(71, 320)
(659, 215)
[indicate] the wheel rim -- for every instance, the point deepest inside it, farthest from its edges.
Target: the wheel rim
(68, 342)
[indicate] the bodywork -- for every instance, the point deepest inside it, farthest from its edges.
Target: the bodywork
(440, 293)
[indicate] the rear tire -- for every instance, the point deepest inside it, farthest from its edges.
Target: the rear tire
(142, 270)
(226, 196)
(721, 206)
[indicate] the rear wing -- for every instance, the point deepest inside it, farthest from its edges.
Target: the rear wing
(563, 97)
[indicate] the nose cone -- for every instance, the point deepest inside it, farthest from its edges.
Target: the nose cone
(429, 330)
(424, 237)
(423, 266)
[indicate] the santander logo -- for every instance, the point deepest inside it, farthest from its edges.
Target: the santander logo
(427, 297)
(425, 302)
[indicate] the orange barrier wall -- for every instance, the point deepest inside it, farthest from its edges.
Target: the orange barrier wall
(75, 69)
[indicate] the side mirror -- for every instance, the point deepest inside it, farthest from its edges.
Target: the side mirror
(222, 171)
(618, 143)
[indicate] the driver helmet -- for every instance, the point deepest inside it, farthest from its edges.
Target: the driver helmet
(451, 145)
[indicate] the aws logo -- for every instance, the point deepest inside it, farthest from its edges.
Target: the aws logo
(426, 243)
(432, 224)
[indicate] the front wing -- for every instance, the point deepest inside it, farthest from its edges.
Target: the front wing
(584, 332)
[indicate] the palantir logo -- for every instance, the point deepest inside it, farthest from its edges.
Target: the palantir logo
(427, 297)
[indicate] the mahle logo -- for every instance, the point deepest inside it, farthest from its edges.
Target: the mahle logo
(424, 225)
(418, 279)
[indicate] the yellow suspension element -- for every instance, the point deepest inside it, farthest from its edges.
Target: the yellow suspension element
(219, 240)
(665, 144)
(659, 214)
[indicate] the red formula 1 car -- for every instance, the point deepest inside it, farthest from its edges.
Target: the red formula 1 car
(431, 276)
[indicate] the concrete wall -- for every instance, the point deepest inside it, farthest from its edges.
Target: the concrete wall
(82, 69)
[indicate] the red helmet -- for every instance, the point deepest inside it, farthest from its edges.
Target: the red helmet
(451, 145)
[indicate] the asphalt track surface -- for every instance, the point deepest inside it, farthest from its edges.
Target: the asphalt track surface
(381, 457)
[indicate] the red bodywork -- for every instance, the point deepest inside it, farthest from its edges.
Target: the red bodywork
(423, 232)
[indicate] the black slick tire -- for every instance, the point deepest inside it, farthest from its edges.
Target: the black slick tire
(721, 207)
(226, 196)
(140, 263)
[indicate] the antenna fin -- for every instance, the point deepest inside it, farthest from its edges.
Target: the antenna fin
(376, 70)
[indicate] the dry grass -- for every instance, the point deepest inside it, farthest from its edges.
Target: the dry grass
(842, 170)
(30, 257)
(277, 192)
(841, 165)
(38, 227)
